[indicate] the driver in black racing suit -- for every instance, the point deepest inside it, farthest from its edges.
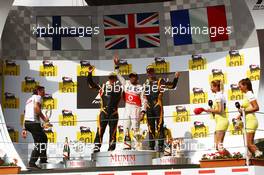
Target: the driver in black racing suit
(154, 89)
(110, 93)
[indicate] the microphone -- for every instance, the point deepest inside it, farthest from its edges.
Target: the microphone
(237, 104)
(210, 103)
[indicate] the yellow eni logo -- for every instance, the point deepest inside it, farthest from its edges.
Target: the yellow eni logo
(234, 93)
(199, 130)
(198, 96)
(124, 67)
(13, 135)
(217, 74)
(49, 102)
(234, 59)
(234, 131)
(67, 85)
(10, 68)
(85, 135)
(254, 72)
(161, 66)
(197, 63)
(181, 114)
(28, 85)
(67, 118)
(48, 69)
(10, 101)
(52, 136)
(83, 68)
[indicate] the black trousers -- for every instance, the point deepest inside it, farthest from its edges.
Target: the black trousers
(40, 141)
(155, 122)
(104, 120)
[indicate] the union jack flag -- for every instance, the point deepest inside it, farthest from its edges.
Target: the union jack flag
(127, 31)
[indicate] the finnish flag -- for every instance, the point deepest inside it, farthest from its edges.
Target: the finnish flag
(63, 32)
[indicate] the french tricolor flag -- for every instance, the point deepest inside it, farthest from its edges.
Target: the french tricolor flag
(193, 25)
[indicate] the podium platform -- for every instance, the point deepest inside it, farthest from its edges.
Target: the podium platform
(124, 158)
(171, 160)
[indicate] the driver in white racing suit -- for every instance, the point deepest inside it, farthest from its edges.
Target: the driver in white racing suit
(135, 104)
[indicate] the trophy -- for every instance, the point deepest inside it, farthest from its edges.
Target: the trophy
(78, 148)
(176, 147)
(137, 139)
(47, 125)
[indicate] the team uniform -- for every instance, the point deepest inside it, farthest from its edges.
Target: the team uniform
(33, 125)
(220, 119)
(110, 97)
(154, 110)
(251, 119)
(134, 99)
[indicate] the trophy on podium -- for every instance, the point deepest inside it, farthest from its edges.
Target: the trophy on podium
(176, 147)
(138, 138)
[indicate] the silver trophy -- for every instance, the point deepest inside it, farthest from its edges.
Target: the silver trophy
(78, 148)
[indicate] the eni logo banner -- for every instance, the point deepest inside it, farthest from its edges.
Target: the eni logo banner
(67, 118)
(181, 114)
(161, 66)
(254, 72)
(85, 135)
(199, 130)
(198, 96)
(29, 84)
(10, 101)
(13, 134)
(11, 68)
(49, 102)
(217, 74)
(51, 135)
(234, 93)
(234, 59)
(124, 67)
(67, 85)
(83, 68)
(48, 69)
(197, 63)
(234, 131)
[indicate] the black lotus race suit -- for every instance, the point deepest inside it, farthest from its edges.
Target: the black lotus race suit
(154, 90)
(110, 97)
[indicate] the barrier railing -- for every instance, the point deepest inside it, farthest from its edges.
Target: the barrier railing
(156, 139)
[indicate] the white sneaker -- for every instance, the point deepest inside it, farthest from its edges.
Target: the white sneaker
(258, 153)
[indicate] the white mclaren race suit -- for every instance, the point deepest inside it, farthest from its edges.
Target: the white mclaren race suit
(134, 100)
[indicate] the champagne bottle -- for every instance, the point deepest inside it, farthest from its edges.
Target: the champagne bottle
(127, 140)
(66, 150)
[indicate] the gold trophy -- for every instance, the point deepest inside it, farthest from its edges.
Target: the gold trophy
(137, 139)
(46, 125)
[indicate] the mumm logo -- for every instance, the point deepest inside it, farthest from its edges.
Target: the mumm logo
(120, 158)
